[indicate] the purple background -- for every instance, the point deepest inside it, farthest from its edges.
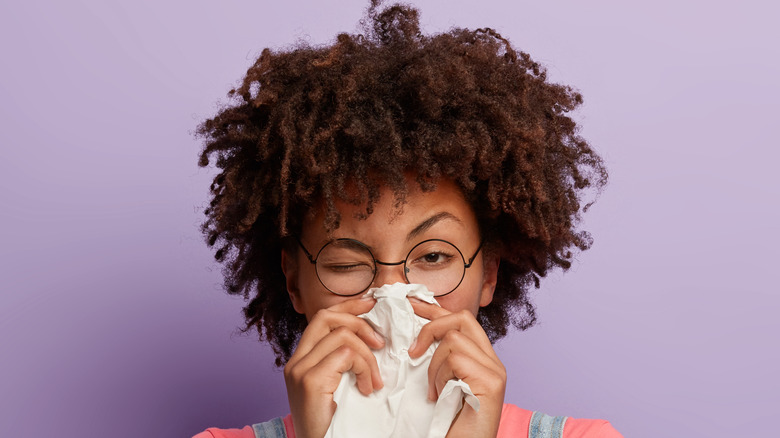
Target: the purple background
(112, 320)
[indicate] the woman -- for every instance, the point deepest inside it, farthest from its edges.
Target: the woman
(411, 151)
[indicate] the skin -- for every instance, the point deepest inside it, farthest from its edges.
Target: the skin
(336, 340)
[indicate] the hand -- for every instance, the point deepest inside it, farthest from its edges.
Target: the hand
(465, 352)
(334, 342)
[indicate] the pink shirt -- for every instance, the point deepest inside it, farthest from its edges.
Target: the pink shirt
(514, 423)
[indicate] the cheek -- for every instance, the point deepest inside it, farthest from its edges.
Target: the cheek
(465, 297)
(315, 297)
(321, 301)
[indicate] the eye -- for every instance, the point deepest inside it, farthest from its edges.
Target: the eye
(434, 257)
(347, 267)
(433, 260)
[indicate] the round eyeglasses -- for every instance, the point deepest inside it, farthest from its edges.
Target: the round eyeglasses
(347, 267)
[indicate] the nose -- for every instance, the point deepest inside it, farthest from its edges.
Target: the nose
(389, 273)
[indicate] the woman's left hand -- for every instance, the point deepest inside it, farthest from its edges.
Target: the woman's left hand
(465, 352)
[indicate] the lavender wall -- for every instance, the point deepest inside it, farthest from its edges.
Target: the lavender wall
(111, 315)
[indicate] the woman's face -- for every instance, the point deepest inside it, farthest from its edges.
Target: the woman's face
(441, 214)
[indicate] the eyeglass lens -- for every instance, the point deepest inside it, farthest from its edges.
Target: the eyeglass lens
(347, 267)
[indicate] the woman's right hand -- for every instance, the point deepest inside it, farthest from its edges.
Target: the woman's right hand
(334, 342)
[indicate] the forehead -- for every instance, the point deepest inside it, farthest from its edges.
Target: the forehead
(444, 209)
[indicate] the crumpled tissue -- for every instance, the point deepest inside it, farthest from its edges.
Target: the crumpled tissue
(401, 408)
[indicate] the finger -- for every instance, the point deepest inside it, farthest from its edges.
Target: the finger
(457, 344)
(355, 306)
(339, 339)
(462, 321)
(439, 376)
(481, 380)
(428, 310)
(343, 360)
(328, 320)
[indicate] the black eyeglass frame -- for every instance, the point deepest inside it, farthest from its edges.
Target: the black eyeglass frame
(313, 261)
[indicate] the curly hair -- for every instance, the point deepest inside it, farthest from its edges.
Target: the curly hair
(308, 122)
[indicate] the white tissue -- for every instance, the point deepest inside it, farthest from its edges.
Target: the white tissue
(401, 408)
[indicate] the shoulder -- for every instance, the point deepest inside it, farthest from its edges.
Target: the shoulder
(583, 428)
(213, 432)
(277, 427)
(516, 421)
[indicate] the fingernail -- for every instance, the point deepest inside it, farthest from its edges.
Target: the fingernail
(414, 344)
(379, 337)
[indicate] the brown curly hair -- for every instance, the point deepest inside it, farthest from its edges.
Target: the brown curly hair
(464, 105)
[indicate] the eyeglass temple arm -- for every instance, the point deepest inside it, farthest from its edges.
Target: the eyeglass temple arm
(471, 260)
(305, 251)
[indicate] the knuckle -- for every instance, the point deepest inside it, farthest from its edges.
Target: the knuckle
(497, 383)
(340, 330)
(453, 336)
(309, 380)
(322, 314)
(455, 359)
(345, 351)
(452, 360)
(342, 333)
(292, 373)
(465, 315)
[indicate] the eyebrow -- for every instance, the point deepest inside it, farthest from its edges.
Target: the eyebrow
(428, 223)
